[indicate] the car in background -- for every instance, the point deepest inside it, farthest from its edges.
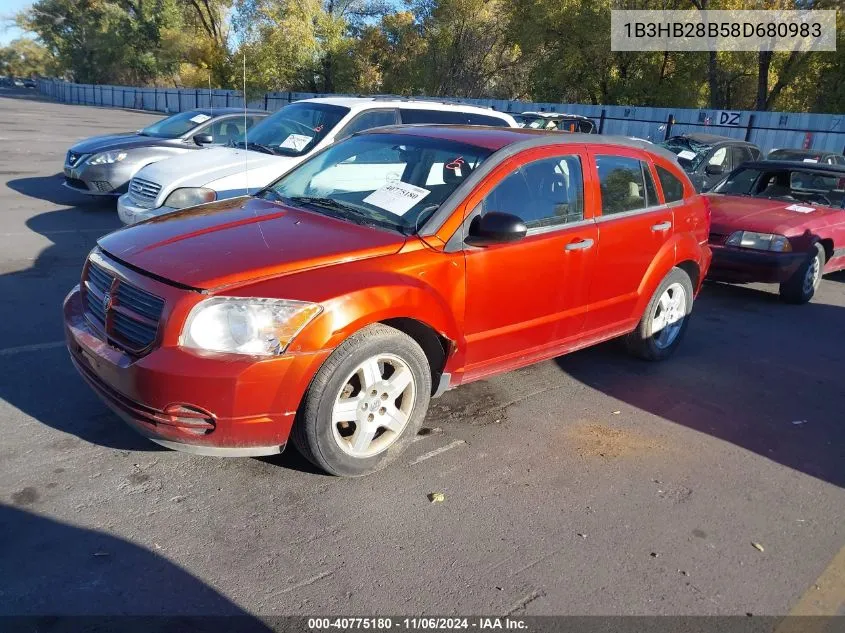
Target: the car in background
(18, 83)
(282, 141)
(28, 83)
(342, 305)
(708, 157)
(807, 156)
(103, 165)
(779, 222)
(556, 121)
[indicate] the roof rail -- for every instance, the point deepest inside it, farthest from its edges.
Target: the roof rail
(392, 97)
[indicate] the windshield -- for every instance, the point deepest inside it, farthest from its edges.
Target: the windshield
(797, 185)
(176, 125)
(294, 130)
(690, 153)
(388, 180)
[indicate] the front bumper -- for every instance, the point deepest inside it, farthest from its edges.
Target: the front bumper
(131, 213)
(100, 180)
(742, 265)
(207, 404)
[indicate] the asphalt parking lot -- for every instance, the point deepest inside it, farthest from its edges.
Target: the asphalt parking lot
(592, 484)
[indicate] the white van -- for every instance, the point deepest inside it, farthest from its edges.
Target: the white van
(277, 144)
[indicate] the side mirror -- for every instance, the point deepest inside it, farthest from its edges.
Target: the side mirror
(714, 170)
(495, 228)
(203, 139)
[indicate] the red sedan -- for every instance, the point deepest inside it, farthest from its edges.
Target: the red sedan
(779, 222)
(392, 266)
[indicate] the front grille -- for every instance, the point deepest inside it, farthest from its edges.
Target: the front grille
(127, 315)
(143, 192)
(73, 159)
(102, 185)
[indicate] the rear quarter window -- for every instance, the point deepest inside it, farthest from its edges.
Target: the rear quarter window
(673, 187)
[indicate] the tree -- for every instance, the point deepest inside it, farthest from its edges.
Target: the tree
(24, 57)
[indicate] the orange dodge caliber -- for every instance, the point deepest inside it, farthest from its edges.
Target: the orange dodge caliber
(330, 307)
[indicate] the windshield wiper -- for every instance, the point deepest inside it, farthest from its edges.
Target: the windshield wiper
(335, 205)
(251, 145)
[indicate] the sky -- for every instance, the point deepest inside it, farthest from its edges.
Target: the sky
(8, 9)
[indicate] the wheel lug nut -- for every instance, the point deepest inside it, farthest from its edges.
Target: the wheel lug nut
(384, 396)
(371, 417)
(382, 411)
(373, 392)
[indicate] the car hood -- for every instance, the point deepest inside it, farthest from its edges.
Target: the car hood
(128, 140)
(765, 215)
(242, 240)
(198, 169)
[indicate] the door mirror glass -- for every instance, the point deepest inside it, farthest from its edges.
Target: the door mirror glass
(714, 170)
(495, 227)
(203, 139)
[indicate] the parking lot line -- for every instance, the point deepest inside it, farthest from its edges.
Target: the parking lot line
(825, 597)
(35, 347)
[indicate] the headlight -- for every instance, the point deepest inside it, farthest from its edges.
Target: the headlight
(760, 241)
(106, 158)
(251, 326)
(189, 197)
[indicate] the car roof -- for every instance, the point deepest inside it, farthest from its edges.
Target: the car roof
(712, 139)
(834, 170)
(496, 138)
(804, 152)
(227, 111)
(398, 102)
(555, 115)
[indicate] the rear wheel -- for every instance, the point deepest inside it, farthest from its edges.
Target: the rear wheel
(665, 320)
(804, 282)
(365, 404)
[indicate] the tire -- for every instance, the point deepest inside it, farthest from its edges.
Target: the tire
(804, 282)
(337, 411)
(643, 342)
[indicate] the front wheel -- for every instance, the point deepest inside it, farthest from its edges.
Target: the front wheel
(665, 320)
(365, 404)
(804, 282)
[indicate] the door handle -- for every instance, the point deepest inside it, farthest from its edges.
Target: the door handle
(663, 226)
(580, 245)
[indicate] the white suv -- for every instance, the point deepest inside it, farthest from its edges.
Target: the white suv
(277, 144)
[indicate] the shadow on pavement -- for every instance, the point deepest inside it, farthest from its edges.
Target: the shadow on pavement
(42, 383)
(50, 188)
(52, 569)
(761, 374)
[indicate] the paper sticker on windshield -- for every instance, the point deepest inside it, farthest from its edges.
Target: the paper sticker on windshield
(200, 118)
(811, 160)
(397, 197)
(800, 209)
(296, 142)
(686, 155)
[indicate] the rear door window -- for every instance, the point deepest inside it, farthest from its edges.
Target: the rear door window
(622, 184)
(449, 117)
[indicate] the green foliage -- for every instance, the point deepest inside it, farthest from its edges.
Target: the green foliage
(542, 50)
(25, 57)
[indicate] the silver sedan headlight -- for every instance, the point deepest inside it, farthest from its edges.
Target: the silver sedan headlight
(106, 158)
(760, 241)
(250, 326)
(190, 197)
